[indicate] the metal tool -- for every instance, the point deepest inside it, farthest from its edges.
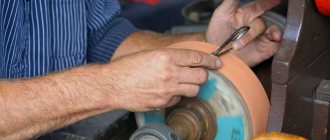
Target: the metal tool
(235, 36)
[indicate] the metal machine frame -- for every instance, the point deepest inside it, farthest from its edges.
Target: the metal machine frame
(299, 67)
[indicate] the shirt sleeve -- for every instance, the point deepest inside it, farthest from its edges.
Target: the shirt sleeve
(106, 30)
(102, 44)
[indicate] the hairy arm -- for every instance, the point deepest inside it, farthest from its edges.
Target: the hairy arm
(35, 106)
(148, 40)
(137, 82)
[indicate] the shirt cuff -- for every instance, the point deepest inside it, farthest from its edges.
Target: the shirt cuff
(102, 44)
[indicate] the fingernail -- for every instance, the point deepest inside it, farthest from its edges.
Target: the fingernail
(218, 63)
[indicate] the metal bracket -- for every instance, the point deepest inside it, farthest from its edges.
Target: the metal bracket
(323, 91)
(321, 111)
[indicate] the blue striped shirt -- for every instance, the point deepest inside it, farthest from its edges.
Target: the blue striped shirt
(43, 36)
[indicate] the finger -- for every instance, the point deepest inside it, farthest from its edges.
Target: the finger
(257, 51)
(227, 7)
(273, 33)
(188, 90)
(173, 101)
(257, 28)
(192, 75)
(191, 58)
(257, 8)
(265, 47)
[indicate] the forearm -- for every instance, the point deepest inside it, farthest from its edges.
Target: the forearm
(35, 106)
(146, 40)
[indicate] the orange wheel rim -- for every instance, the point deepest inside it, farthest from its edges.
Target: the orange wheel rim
(243, 79)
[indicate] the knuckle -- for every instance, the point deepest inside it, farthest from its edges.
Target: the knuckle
(210, 61)
(203, 75)
(167, 75)
(194, 91)
(196, 57)
(164, 56)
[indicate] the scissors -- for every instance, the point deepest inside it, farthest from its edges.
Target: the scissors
(235, 36)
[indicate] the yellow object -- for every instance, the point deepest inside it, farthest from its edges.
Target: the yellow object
(277, 136)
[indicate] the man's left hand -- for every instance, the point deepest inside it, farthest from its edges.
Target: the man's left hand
(259, 44)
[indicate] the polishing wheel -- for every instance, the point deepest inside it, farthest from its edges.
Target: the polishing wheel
(231, 105)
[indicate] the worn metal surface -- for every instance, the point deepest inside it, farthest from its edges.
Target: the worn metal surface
(323, 91)
(320, 120)
(192, 119)
(321, 111)
(306, 36)
(154, 131)
(299, 67)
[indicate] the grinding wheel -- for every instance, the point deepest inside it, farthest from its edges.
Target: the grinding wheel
(234, 93)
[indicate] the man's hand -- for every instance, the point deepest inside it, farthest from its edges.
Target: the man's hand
(262, 48)
(260, 43)
(156, 79)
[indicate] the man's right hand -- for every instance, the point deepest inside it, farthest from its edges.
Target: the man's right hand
(156, 79)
